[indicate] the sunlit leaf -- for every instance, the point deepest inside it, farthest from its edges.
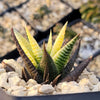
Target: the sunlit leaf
(59, 41)
(25, 45)
(71, 61)
(35, 47)
(30, 69)
(62, 56)
(49, 45)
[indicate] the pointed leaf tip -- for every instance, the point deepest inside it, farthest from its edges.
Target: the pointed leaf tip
(62, 56)
(47, 65)
(59, 41)
(73, 76)
(72, 60)
(44, 46)
(49, 45)
(34, 45)
(24, 45)
(25, 51)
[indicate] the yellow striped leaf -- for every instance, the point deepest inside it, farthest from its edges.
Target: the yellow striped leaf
(62, 56)
(26, 47)
(49, 45)
(59, 41)
(35, 47)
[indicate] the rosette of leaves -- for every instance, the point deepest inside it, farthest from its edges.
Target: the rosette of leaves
(91, 11)
(53, 63)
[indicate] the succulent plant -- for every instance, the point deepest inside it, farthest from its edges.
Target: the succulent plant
(44, 10)
(91, 11)
(53, 64)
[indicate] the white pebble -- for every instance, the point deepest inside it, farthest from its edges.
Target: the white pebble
(88, 39)
(2, 70)
(31, 81)
(9, 91)
(71, 87)
(85, 82)
(13, 81)
(22, 83)
(32, 92)
(46, 89)
(93, 79)
(14, 65)
(3, 81)
(13, 88)
(97, 87)
(19, 93)
(12, 74)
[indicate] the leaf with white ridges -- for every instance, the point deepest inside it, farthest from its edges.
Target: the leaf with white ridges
(49, 45)
(35, 47)
(71, 61)
(25, 46)
(59, 41)
(62, 56)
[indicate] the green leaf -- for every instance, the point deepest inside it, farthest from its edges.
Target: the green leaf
(72, 60)
(35, 47)
(30, 69)
(26, 47)
(47, 65)
(62, 56)
(49, 45)
(59, 41)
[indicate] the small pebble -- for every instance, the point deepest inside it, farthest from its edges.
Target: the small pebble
(46, 89)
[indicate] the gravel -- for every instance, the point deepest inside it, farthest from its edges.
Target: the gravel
(13, 3)
(3, 7)
(75, 3)
(12, 83)
(8, 21)
(58, 11)
(90, 44)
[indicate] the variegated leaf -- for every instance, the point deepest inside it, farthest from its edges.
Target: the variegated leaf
(30, 68)
(59, 41)
(72, 60)
(49, 45)
(25, 45)
(35, 47)
(62, 56)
